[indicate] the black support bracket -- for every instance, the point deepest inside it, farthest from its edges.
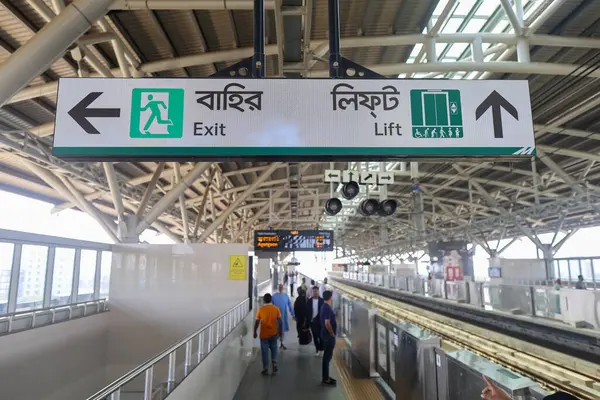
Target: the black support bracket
(340, 67)
(251, 67)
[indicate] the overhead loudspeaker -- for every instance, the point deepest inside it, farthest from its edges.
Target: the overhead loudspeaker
(350, 190)
(368, 207)
(333, 206)
(387, 207)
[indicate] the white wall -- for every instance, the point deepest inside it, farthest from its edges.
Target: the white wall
(64, 361)
(263, 269)
(527, 268)
(162, 293)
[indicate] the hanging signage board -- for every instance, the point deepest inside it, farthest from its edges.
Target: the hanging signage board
(293, 240)
(112, 119)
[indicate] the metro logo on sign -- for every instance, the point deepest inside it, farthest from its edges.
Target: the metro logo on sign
(436, 114)
(156, 113)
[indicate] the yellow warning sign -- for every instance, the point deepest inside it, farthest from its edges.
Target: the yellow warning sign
(237, 268)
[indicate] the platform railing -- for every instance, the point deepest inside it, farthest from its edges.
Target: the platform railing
(542, 301)
(195, 348)
(23, 320)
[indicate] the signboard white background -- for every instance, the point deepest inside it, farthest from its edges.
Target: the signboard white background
(296, 118)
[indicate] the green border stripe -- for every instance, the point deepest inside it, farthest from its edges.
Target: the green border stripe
(286, 151)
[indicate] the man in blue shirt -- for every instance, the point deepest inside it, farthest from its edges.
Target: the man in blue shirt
(328, 331)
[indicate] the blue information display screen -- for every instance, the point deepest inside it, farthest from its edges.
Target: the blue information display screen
(293, 240)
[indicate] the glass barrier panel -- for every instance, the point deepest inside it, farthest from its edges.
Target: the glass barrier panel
(32, 277)
(596, 269)
(62, 279)
(586, 269)
(563, 267)
(87, 273)
(6, 259)
(574, 269)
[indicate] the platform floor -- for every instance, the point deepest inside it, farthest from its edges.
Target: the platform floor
(299, 377)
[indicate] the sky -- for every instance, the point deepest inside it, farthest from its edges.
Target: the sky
(25, 214)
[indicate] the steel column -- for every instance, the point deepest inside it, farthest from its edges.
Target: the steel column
(48, 45)
(202, 207)
(73, 196)
(150, 189)
(240, 198)
(115, 191)
(90, 209)
(182, 207)
(171, 197)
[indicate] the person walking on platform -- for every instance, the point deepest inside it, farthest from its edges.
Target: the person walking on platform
(323, 287)
(303, 286)
(282, 301)
(580, 283)
(292, 281)
(328, 332)
(300, 313)
(313, 306)
(269, 318)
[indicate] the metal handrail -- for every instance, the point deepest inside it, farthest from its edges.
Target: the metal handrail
(230, 321)
(33, 314)
(36, 310)
(263, 282)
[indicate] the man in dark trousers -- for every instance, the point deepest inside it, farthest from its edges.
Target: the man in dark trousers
(328, 332)
(313, 306)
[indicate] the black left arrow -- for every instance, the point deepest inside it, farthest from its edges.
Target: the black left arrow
(496, 102)
(80, 113)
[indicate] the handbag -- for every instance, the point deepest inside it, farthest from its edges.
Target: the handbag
(305, 337)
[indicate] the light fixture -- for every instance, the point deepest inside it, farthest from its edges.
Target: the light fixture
(387, 207)
(368, 207)
(350, 190)
(333, 206)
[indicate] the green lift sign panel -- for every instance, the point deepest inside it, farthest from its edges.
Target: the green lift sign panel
(116, 119)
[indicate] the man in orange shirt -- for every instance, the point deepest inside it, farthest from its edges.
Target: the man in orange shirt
(269, 319)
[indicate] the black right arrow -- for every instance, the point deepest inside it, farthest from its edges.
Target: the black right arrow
(387, 178)
(496, 102)
(80, 113)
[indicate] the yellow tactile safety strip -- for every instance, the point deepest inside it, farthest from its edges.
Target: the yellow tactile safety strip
(354, 389)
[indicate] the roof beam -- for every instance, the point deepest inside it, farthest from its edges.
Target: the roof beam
(369, 41)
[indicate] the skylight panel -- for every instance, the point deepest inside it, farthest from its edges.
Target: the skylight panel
(474, 26)
(487, 8)
(464, 6)
(501, 26)
(456, 50)
(440, 7)
(416, 50)
(452, 25)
